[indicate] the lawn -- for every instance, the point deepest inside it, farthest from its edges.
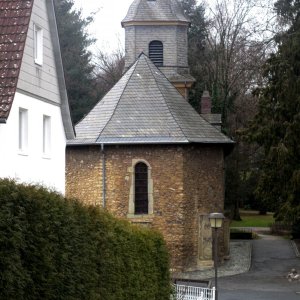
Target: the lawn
(253, 219)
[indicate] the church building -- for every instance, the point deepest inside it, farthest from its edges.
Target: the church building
(143, 152)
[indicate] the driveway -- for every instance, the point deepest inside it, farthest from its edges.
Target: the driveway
(272, 259)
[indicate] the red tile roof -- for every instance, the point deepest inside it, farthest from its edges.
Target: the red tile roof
(14, 23)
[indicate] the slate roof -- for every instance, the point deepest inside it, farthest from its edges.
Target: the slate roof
(145, 108)
(14, 23)
(155, 10)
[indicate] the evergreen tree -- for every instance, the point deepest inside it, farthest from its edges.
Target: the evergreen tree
(276, 127)
(78, 68)
(196, 41)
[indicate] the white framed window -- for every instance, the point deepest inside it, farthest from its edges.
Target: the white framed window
(46, 136)
(23, 130)
(38, 44)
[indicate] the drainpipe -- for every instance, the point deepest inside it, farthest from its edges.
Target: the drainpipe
(103, 177)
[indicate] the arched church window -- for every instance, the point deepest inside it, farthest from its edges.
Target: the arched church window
(141, 189)
(156, 53)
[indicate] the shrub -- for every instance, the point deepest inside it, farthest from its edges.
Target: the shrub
(237, 234)
(55, 248)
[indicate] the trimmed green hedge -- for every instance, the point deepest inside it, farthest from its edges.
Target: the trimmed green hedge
(54, 248)
(239, 234)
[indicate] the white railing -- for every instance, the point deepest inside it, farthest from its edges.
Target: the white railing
(184, 292)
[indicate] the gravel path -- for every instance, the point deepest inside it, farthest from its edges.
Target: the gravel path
(239, 262)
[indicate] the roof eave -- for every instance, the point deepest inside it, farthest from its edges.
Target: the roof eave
(229, 144)
(65, 109)
(154, 22)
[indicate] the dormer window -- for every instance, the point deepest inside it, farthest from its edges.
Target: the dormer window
(38, 45)
(156, 53)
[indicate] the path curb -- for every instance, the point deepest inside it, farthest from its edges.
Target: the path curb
(295, 248)
(250, 256)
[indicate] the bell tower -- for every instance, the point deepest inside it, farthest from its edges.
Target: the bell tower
(159, 29)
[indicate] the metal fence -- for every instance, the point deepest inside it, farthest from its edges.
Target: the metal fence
(185, 292)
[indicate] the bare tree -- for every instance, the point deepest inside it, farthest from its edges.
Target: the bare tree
(237, 44)
(108, 69)
(238, 41)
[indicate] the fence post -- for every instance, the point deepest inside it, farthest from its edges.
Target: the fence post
(213, 293)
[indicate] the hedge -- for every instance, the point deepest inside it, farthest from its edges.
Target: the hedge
(56, 248)
(240, 234)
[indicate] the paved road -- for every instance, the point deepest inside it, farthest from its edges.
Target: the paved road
(272, 259)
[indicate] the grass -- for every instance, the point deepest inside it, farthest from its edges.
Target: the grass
(253, 219)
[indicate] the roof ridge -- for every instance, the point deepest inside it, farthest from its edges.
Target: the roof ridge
(158, 86)
(176, 8)
(137, 7)
(171, 9)
(133, 68)
(175, 119)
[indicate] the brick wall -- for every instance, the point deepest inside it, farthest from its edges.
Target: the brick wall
(187, 180)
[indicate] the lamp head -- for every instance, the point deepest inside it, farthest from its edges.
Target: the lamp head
(216, 220)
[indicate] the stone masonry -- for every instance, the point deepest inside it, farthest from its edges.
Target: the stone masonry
(187, 186)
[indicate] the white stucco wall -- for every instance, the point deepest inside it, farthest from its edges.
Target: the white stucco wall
(33, 167)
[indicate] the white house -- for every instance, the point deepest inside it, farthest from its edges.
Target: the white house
(35, 120)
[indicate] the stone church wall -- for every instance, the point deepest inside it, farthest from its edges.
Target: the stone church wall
(204, 194)
(187, 182)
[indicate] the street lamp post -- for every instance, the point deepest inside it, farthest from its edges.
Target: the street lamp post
(216, 220)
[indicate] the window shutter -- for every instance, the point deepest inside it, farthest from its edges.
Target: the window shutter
(156, 53)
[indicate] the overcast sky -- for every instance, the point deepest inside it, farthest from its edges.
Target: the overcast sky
(106, 27)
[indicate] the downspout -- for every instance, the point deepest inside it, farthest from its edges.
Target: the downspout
(103, 177)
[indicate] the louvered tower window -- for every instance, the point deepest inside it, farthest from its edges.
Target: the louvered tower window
(156, 53)
(141, 189)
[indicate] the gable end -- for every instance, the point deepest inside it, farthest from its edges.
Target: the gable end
(15, 18)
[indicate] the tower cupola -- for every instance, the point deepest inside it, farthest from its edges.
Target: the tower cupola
(159, 28)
